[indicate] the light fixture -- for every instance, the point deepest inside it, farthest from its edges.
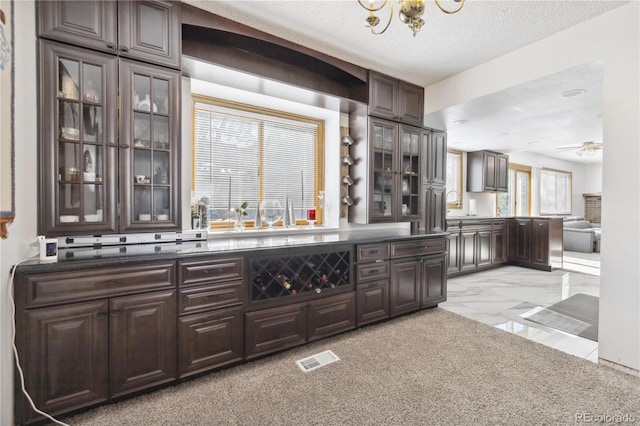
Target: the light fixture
(347, 140)
(459, 122)
(572, 93)
(410, 13)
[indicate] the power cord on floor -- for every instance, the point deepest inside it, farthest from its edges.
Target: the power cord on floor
(15, 349)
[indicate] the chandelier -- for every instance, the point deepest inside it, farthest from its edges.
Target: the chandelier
(410, 13)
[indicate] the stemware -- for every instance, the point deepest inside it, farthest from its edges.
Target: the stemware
(271, 211)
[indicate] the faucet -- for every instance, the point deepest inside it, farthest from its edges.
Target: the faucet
(457, 201)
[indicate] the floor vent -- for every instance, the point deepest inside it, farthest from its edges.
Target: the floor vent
(317, 361)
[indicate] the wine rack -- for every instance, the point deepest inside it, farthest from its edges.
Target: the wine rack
(295, 276)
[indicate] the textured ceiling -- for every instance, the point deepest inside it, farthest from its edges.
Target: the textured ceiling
(446, 45)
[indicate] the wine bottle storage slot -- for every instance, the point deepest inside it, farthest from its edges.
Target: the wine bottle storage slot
(290, 276)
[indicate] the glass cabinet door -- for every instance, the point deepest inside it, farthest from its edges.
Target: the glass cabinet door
(148, 147)
(384, 169)
(78, 141)
(409, 171)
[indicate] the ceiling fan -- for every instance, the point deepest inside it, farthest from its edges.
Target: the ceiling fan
(589, 148)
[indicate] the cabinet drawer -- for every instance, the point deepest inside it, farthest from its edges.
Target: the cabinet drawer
(368, 252)
(195, 299)
(373, 271)
(210, 271)
(373, 301)
(418, 247)
(64, 287)
(331, 315)
(275, 329)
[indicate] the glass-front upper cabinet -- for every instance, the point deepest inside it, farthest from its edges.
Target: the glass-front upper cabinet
(410, 140)
(78, 141)
(384, 140)
(149, 146)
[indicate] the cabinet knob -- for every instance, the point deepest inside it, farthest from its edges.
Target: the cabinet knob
(111, 45)
(124, 48)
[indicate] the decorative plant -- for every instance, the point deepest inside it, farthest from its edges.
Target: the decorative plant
(242, 210)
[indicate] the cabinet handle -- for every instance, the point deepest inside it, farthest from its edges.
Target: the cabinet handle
(111, 143)
(100, 315)
(108, 283)
(374, 271)
(117, 312)
(374, 251)
(372, 285)
(124, 48)
(379, 261)
(111, 45)
(212, 271)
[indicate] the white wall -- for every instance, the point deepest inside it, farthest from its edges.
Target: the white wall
(613, 37)
(23, 231)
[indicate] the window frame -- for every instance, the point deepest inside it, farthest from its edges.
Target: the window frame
(516, 168)
(318, 179)
(454, 205)
(569, 191)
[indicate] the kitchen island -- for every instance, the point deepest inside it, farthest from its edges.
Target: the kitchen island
(108, 322)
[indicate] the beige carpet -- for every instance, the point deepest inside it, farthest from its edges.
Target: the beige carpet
(429, 368)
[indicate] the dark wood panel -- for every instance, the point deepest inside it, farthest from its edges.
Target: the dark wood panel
(83, 284)
(453, 253)
(331, 315)
(405, 286)
(150, 31)
(143, 341)
(410, 103)
(483, 249)
(372, 271)
(87, 23)
(500, 246)
(468, 250)
(270, 330)
(540, 240)
(520, 240)
(372, 302)
(65, 359)
(213, 296)
(418, 247)
(383, 96)
(369, 252)
(209, 340)
(210, 271)
(434, 280)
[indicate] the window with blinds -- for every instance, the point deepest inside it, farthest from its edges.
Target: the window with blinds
(555, 192)
(244, 153)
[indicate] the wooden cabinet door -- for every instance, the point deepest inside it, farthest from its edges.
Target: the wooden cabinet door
(540, 241)
(409, 186)
(405, 286)
(91, 24)
(78, 137)
(453, 252)
(331, 315)
(502, 173)
(271, 330)
(383, 194)
(436, 158)
(520, 240)
(410, 104)
(435, 208)
(150, 31)
(65, 356)
(149, 148)
(434, 280)
(499, 246)
(143, 341)
(372, 301)
(383, 96)
(490, 168)
(483, 250)
(468, 250)
(209, 340)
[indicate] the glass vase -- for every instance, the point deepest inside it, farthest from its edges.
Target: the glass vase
(239, 224)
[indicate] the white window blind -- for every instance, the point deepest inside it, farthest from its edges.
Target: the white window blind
(249, 156)
(555, 192)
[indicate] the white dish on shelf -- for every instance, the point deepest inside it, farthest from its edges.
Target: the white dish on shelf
(68, 218)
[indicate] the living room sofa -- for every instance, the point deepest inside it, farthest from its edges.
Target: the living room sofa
(580, 235)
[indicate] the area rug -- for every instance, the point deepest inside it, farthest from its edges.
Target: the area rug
(577, 314)
(432, 367)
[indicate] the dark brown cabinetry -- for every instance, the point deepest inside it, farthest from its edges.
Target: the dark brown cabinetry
(487, 171)
(283, 327)
(475, 244)
(391, 181)
(536, 242)
(143, 30)
(109, 148)
(434, 175)
(418, 274)
(372, 285)
(85, 336)
(210, 323)
(395, 100)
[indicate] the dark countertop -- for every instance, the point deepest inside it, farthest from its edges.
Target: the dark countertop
(142, 253)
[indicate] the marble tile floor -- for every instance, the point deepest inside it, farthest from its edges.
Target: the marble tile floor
(499, 297)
